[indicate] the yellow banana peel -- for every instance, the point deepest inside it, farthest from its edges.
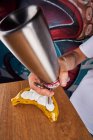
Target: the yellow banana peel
(52, 115)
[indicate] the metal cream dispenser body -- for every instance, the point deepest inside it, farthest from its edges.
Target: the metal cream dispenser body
(26, 34)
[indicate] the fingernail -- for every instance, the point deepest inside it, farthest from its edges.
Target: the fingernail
(68, 79)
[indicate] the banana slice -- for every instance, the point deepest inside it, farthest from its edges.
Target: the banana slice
(29, 96)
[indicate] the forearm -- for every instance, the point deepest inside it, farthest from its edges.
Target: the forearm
(73, 59)
(80, 57)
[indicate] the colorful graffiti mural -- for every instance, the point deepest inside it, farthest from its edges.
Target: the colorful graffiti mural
(70, 23)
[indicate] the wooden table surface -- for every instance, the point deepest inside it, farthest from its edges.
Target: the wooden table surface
(27, 122)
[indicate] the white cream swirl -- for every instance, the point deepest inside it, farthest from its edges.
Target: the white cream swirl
(43, 100)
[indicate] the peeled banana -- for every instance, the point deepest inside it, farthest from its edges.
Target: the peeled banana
(52, 115)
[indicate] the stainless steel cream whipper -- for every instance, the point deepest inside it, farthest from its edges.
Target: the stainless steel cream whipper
(26, 34)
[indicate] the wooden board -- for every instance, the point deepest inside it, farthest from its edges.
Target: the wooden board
(27, 122)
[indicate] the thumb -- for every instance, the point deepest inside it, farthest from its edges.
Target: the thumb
(63, 78)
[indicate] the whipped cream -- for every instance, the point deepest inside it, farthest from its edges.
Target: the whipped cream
(40, 99)
(50, 107)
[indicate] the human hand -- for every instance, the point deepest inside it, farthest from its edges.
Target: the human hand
(63, 78)
(66, 63)
(63, 72)
(40, 90)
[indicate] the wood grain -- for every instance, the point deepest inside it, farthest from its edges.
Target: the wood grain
(27, 122)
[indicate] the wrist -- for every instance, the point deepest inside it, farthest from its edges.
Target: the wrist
(70, 60)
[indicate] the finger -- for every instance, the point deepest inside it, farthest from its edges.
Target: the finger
(33, 78)
(41, 90)
(63, 77)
